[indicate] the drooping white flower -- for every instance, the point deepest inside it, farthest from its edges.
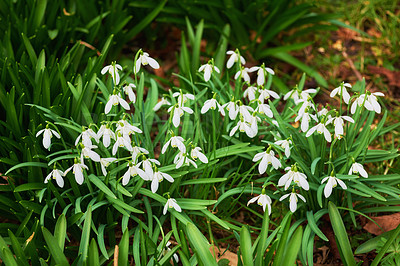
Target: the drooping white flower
(305, 95)
(132, 171)
(332, 183)
(196, 153)
(243, 73)
(183, 97)
(305, 120)
(261, 72)
(293, 175)
(171, 203)
(121, 142)
(246, 112)
(263, 200)
(320, 128)
(107, 134)
(77, 170)
(47, 135)
(341, 90)
(113, 71)
(267, 158)
(286, 145)
(162, 102)
(144, 59)
(182, 159)
(129, 91)
(104, 163)
(86, 136)
(358, 102)
(212, 104)
(114, 100)
(136, 151)
(124, 127)
(266, 94)
(373, 102)
(57, 175)
(147, 166)
(208, 69)
(232, 108)
(293, 200)
(157, 178)
(234, 58)
(243, 127)
(338, 122)
(165, 250)
(175, 141)
(253, 125)
(357, 168)
(177, 112)
(88, 153)
(250, 92)
(264, 108)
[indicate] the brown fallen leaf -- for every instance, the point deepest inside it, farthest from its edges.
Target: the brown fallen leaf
(387, 222)
(232, 257)
(392, 76)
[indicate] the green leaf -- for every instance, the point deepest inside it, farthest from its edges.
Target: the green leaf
(93, 255)
(124, 248)
(245, 246)
(60, 231)
(26, 164)
(30, 186)
(54, 248)
(384, 249)
(98, 183)
(313, 225)
(293, 247)
(84, 243)
(200, 245)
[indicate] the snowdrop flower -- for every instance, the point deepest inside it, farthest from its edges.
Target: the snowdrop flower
(47, 135)
(305, 120)
(126, 128)
(286, 145)
(196, 153)
(262, 200)
(267, 157)
(208, 68)
(183, 97)
(250, 92)
(372, 101)
(243, 73)
(88, 153)
(293, 175)
(104, 163)
(307, 105)
(114, 100)
(57, 175)
(253, 126)
(136, 151)
(266, 94)
(232, 108)
(261, 71)
(243, 127)
(144, 59)
(171, 203)
(132, 171)
(235, 56)
(338, 122)
(293, 200)
(320, 128)
(323, 112)
(77, 170)
(182, 159)
(212, 104)
(129, 91)
(332, 183)
(86, 137)
(157, 178)
(162, 102)
(113, 70)
(107, 135)
(293, 94)
(305, 95)
(357, 168)
(342, 90)
(175, 141)
(264, 108)
(246, 112)
(121, 142)
(166, 250)
(177, 112)
(147, 166)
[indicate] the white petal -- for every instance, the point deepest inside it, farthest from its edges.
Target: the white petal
(153, 63)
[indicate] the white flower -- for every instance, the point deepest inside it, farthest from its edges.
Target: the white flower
(157, 178)
(114, 100)
(339, 122)
(372, 101)
(266, 94)
(264, 108)
(177, 112)
(250, 92)
(358, 169)
(307, 105)
(144, 59)
(162, 102)
(166, 250)
(121, 142)
(262, 200)
(212, 104)
(47, 135)
(359, 101)
(196, 153)
(136, 151)
(124, 127)
(171, 203)
(304, 95)
(342, 90)
(286, 145)
(208, 68)
(320, 128)
(182, 159)
(57, 175)
(305, 120)
(147, 166)
(332, 182)
(243, 127)
(293, 175)
(104, 163)
(183, 97)
(246, 111)
(77, 171)
(129, 91)
(107, 135)
(243, 73)
(266, 157)
(293, 200)
(253, 126)
(232, 108)
(234, 58)
(113, 70)
(261, 71)
(86, 137)
(88, 153)
(175, 141)
(294, 94)
(132, 171)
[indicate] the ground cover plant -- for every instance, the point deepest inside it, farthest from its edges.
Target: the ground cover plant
(120, 168)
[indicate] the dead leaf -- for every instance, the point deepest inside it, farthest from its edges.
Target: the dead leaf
(392, 76)
(387, 222)
(232, 257)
